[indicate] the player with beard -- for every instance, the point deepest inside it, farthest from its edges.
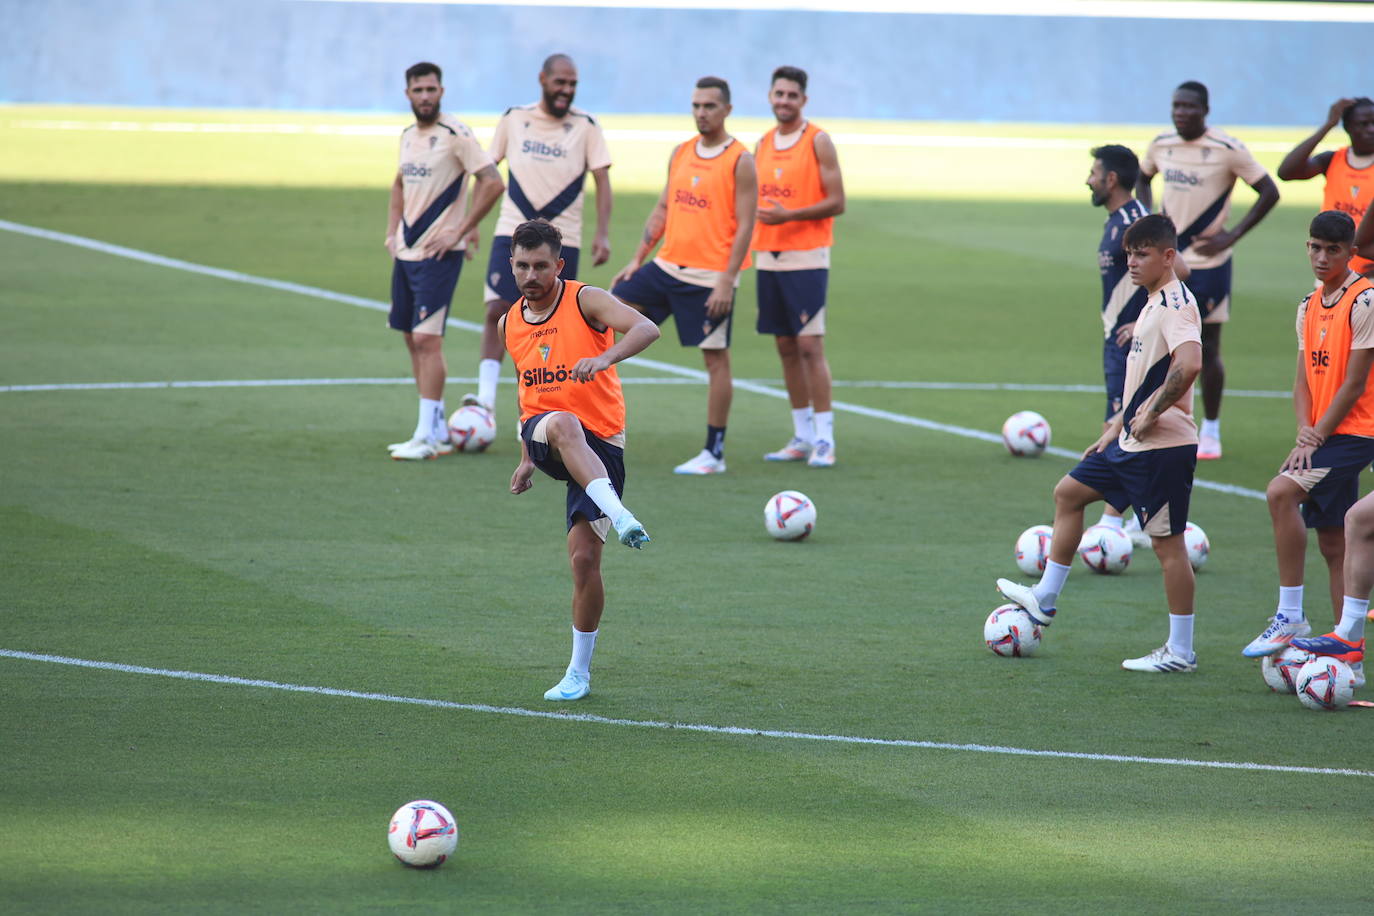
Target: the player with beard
(561, 338)
(801, 191)
(705, 216)
(1200, 165)
(1349, 171)
(549, 146)
(425, 232)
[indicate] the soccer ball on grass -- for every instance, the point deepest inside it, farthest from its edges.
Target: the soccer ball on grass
(1104, 549)
(1026, 434)
(1280, 670)
(1325, 683)
(1033, 549)
(789, 515)
(472, 428)
(1195, 540)
(423, 834)
(1011, 633)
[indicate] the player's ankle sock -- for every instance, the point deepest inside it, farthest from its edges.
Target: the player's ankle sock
(1051, 583)
(803, 424)
(1212, 428)
(1111, 521)
(1181, 634)
(603, 494)
(1131, 524)
(440, 433)
(583, 646)
(825, 425)
(424, 428)
(488, 373)
(1351, 627)
(1290, 603)
(715, 441)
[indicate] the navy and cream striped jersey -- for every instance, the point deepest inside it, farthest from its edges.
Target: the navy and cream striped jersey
(1121, 299)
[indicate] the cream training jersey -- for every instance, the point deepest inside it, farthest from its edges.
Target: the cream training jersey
(548, 160)
(1168, 319)
(435, 162)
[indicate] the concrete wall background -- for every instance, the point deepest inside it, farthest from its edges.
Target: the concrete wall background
(285, 54)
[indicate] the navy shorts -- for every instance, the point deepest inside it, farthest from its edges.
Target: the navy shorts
(1114, 371)
(1212, 287)
(421, 292)
(579, 503)
(789, 300)
(1157, 484)
(500, 280)
(658, 295)
(1333, 482)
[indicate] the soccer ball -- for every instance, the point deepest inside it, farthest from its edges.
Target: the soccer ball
(1104, 549)
(789, 515)
(1033, 549)
(422, 834)
(1325, 683)
(1280, 670)
(472, 428)
(1026, 434)
(1195, 539)
(1011, 633)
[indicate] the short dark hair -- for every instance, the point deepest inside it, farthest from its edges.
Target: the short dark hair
(533, 233)
(1153, 231)
(1119, 159)
(1349, 112)
(554, 59)
(1332, 226)
(1195, 86)
(423, 68)
(795, 74)
(715, 82)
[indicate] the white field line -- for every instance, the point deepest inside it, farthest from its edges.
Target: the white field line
(670, 368)
(732, 730)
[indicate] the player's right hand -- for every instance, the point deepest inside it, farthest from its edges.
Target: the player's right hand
(626, 273)
(1338, 107)
(520, 481)
(390, 243)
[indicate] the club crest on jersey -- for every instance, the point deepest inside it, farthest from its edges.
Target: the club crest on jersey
(1354, 191)
(777, 173)
(432, 141)
(1206, 153)
(696, 179)
(567, 128)
(544, 353)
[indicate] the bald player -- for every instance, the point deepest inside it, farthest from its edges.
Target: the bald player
(425, 232)
(705, 217)
(549, 147)
(1200, 165)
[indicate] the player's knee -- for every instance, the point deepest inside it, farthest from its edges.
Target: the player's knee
(1359, 521)
(563, 428)
(1282, 493)
(787, 347)
(584, 559)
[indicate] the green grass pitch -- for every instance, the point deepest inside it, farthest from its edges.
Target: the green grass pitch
(260, 533)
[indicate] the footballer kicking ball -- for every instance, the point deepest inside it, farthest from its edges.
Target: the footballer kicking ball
(1105, 550)
(1280, 670)
(1026, 434)
(472, 428)
(1033, 549)
(789, 515)
(423, 834)
(1325, 683)
(1011, 633)
(1195, 540)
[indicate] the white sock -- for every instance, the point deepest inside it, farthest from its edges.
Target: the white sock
(431, 414)
(1111, 521)
(488, 373)
(1181, 634)
(441, 423)
(583, 646)
(803, 425)
(1212, 428)
(1051, 583)
(603, 494)
(1290, 603)
(1132, 523)
(825, 425)
(1351, 627)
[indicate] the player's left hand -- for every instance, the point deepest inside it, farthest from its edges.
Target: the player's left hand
(1300, 459)
(1124, 334)
(775, 214)
(722, 298)
(474, 242)
(587, 367)
(601, 250)
(1309, 436)
(1216, 243)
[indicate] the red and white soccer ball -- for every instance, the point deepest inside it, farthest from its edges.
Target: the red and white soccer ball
(1280, 670)
(789, 515)
(1325, 683)
(472, 428)
(1105, 549)
(1033, 549)
(1195, 540)
(1011, 633)
(423, 834)
(1026, 434)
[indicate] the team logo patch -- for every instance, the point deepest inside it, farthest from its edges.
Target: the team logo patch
(432, 141)
(695, 180)
(424, 312)
(777, 173)
(1206, 153)
(494, 279)
(1321, 338)
(544, 353)
(805, 317)
(567, 128)
(1354, 191)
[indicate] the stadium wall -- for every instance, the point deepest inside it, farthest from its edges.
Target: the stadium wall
(349, 56)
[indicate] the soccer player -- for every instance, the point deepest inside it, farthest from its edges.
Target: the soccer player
(550, 146)
(1346, 642)
(801, 191)
(1349, 171)
(1200, 166)
(1335, 418)
(561, 338)
(425, 233)
(1111, 181)
(705, 217)
(1146, 457)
